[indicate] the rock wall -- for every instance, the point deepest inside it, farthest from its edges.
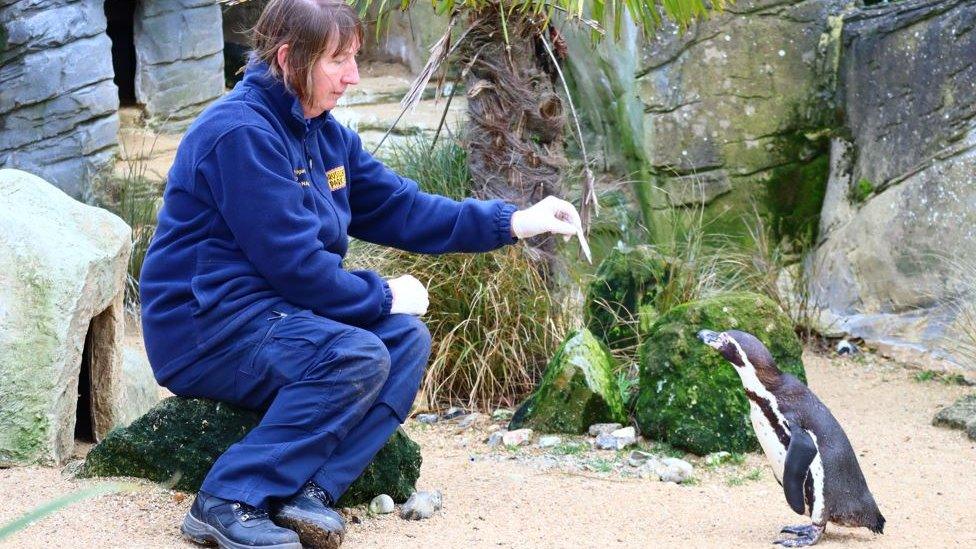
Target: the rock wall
(730, 113)
(897, 246)
(179, 53)
(58, 103)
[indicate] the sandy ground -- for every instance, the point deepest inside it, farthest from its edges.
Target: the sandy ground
(923, 477)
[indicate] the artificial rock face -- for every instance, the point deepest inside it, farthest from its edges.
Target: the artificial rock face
(62, 279)
(896, 232)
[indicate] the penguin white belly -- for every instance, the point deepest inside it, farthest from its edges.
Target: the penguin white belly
(771, 445)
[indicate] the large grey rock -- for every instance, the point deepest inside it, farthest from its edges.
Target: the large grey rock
(62, 275)
(57, 98)
(898, 224)
(179, 53)
(139, 389)
(180, 438)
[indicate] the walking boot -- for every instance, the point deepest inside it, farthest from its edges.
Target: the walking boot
(310, 513)
(234, 525)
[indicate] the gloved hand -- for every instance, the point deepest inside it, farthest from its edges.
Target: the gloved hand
(549, 215)
(409, 296)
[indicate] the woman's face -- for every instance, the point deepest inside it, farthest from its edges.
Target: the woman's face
(331, 75)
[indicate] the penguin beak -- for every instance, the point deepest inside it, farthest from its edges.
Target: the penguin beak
(710, 338)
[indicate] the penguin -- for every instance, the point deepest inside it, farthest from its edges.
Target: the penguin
(807, 449)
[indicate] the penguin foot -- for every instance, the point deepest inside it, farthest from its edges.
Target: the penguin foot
(806, 535)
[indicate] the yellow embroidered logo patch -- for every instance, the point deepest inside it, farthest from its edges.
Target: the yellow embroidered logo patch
(337, 178)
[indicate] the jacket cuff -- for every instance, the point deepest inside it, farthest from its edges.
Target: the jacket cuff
(387, 299)
(503, 220)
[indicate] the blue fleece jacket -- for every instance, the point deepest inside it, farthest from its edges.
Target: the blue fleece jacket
(257, 210)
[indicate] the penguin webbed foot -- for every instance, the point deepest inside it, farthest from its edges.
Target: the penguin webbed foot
(806, 535)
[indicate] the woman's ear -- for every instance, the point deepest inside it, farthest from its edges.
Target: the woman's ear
(282, 58)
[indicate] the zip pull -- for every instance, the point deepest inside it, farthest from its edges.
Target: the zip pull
(278, 315)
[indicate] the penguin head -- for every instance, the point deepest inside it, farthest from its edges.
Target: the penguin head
(742, 349)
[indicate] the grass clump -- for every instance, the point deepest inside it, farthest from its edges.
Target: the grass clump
(494, 322)
(136, 198)
(738, 480)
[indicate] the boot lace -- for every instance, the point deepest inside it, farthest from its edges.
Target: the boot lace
(247, 512)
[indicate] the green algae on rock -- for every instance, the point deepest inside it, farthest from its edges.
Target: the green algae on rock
(625, 292)
(576, 391)
(689, 395)
(186, 436)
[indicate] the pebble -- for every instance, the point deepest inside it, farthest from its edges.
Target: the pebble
(502, 414)
(675, 470)
(427, 419)
(467, 421)
(603, 428)
(381, 505)
(549, 441)
(496, 438)
(421, 505)
(518, 437)
(454, 412)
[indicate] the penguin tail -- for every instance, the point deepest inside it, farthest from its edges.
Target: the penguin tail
(878, 526)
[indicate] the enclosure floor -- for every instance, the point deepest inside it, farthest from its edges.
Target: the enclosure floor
(922, 477)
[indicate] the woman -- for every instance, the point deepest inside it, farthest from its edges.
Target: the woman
(245, 298)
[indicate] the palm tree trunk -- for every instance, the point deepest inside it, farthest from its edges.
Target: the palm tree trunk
(516, 120)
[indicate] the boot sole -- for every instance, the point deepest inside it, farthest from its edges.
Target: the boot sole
(312, 535)
(200, 532)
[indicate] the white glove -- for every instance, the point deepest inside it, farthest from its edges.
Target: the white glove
(409, 296)
(549, 215)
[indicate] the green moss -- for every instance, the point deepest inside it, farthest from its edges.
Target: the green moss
(25, 367)
(626, 289)
(186, 436)
(861, 191)
(689, 395)
(3, 38)
(795, 192)
(577, 390)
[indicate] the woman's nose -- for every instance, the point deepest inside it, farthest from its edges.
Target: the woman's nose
(351, 76)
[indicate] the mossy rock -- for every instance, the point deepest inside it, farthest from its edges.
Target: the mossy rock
(958, 415)
(689, 395)
(186, 435)
(627, 286)
(577, 390)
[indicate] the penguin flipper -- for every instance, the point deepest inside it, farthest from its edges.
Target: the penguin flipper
(799, 455)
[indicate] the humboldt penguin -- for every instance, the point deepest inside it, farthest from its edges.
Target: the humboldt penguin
(808, 450)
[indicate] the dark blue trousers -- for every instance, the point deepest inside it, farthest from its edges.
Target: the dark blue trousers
(333, 396)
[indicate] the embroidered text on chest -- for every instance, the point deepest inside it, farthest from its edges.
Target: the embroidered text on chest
(303, 181)
(337, 178)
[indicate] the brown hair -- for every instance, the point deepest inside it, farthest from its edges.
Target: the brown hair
(308, 27)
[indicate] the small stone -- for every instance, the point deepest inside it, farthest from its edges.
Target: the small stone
(381, 505)
(606, 441)
(625, 437)
(496, 438)
(638, 458)
(518, 437)
(421, 505)
(427, 419)
(717, 458)
(454, 412)
(467, 421)
(675, 470)
(603, 428)
(502, 414)
(549, 441)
